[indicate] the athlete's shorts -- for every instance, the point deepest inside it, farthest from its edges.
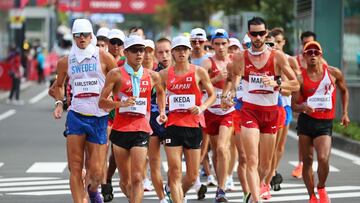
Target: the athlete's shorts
(111, 117)
(189, 138)
(93, 127)
(289, 116)
(128, 140)
(265, 121)
(237, 121)
(282, 117)
(159, 130)
(213, 122)
(313, 127)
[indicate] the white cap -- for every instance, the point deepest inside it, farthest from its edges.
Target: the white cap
(133, 40)
(246, 39)
(82, 26)
(234, 42)
(198, 33)
(149, 43)
(116, 33)
(67, 37)
(103, 32)
(180, 41)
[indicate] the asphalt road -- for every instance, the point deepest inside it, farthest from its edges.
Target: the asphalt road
(33, 164)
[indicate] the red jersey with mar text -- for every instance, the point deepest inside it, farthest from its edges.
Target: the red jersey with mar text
(255, 94)
(183, 93)
(133, 118)
(320, 95)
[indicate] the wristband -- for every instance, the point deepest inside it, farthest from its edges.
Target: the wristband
(199, 109)
(58, 102)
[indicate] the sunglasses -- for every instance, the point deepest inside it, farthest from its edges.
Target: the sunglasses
(312, 52)
(136, 50)
(260, 33)
(194, 41)
(84, 34)
(270, 44)
(115, 41)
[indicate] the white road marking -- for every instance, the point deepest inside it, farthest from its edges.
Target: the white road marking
(32, 188)
(315, 166)
(166, 168)
(22, 183)
(47, 167)
(38, 97)
(355, 159)
(25, 179)
(7, 114)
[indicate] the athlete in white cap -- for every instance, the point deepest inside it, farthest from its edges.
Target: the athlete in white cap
(86, 67)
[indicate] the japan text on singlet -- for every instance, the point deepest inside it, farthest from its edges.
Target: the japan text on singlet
(183, 93)
(86, 79)
(133, 118)
(256, 94)
(218, 87)
(320, 95)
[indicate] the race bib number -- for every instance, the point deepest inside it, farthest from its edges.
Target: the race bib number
(257, 86)
(183, 101)
(87, 87)
(218, 97)
(140, 106)
(320, 102)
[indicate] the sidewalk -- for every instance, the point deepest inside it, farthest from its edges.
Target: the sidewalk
(24, 85)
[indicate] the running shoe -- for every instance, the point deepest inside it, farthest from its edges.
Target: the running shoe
(147, 185)
(246, 197)
(164, 201)
(229, 185)
(211, 181)
(323, 196)
(167, 192)
(265, 192)
(220, 196)
(276, 181)
(201, 192)
(107, 192)
(297, 172)
(94, 197)
(313, 199)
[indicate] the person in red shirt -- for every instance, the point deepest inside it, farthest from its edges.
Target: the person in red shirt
(15, 74)
(185, 118)
(131, 86)
(316, 104)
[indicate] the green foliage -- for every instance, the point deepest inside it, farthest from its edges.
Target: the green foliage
(352, 131)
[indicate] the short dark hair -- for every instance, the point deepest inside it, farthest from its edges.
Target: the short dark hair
(307, 34)
(163, 39)
(256, 21)
(277, 31)
(135, 29)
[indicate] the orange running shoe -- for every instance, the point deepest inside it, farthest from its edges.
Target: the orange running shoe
(323, 196)
(265, 192)
(297, 172)
(313, 199)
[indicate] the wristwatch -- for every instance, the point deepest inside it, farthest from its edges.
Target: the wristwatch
(278, 82)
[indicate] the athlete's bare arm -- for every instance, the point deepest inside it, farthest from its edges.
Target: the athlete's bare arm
(58, 86)
(160, 94)
(207, 65)
(107, 61)
(112, 85)
(341, 84)
(283, 67)
(203, 79)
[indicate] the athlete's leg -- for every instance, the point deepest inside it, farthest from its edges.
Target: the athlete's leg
(266, 150)
(138, 162)
(155, 166)
(173, 155)
(97, 153)
(233, 157)
(250, 139)
(192, 157)
(306, 148)
(241, 170)
(322, 145)
(123, 161)
(112, 166)
(75, 153)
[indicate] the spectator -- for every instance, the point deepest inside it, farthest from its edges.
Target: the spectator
(40, 58)
(15, 73)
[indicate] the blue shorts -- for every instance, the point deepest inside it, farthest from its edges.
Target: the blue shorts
(93, 127)
(159, 130)
(288, 117)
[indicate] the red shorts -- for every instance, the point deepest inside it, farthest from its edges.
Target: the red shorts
(265, 121)
(237, 121)
(213, 122)
(282, 117)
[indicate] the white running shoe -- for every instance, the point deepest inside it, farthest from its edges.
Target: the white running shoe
(229, 185)
(197, 184)
(148, 185)
(164, 201)
(211, 181)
